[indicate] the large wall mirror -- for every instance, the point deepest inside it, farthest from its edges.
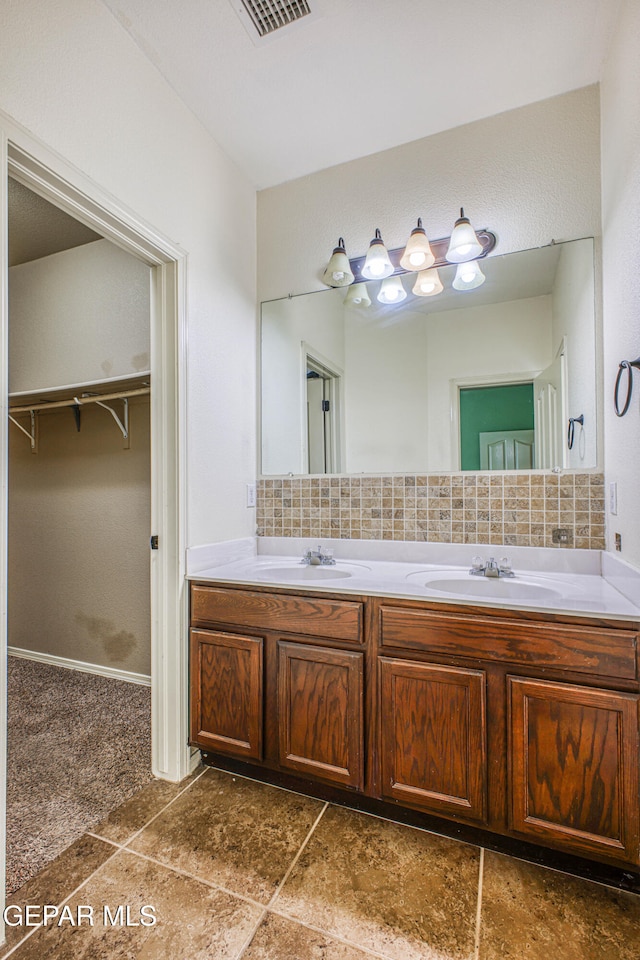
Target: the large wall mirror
(488, 378)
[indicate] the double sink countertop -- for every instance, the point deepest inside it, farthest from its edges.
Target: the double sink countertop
(560, 581)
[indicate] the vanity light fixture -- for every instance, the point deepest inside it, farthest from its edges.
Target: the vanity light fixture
(464, 244)
(428, 283)
(392, 291)
(377, 264)
(338, 272)
(468, 276)
(417, 253)
(358, 295)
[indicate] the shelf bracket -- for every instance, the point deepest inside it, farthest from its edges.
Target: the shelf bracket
(33, 435)
(122, 424)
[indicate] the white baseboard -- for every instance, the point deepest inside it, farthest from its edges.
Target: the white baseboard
(79, 665)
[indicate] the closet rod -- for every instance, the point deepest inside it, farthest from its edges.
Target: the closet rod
(79, 401)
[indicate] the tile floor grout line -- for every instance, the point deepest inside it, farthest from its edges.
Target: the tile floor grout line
(329, 933)
(280, 885)
(159, 813)
(476, 948)
(98, 836)
(63, 901)
(249, 940)
(192, 876)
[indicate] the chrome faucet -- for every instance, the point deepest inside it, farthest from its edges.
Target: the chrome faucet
(317, 557)
(491, 568)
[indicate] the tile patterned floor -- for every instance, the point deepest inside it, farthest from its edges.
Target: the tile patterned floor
(239, 870)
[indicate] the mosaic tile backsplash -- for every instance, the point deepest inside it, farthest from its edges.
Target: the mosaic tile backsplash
(519, 509)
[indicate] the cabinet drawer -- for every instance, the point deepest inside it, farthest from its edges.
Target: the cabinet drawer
(333, 619)
(598, 651)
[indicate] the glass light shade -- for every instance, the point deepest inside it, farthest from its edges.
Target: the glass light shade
(358, 295)
(392, 291)
(417, 253)
(377, 265)
(463, 245)
(428, 283)
(468, 276)
(338, 272)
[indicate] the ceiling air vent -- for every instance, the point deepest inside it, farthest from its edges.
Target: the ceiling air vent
(263, 18)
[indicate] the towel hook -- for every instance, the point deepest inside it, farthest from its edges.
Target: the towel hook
(572, 427)
(628, 366)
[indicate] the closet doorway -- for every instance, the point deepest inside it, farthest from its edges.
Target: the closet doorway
(79, 640)
(31, 165)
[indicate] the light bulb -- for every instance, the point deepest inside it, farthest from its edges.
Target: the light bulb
(468, 276)
(392, 291)
(358, 295)
(464, 244)
(377, 263)
(417, 254)
(338, 272)
(428, 283)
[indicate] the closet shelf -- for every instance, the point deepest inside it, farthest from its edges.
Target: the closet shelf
(76, 397)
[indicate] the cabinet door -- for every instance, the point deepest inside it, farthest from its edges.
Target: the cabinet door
(226, 693)
(573, 766)
(320, 692)
(433, 737)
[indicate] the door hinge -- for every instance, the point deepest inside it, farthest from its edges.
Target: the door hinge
(325, 406)
(154, 542)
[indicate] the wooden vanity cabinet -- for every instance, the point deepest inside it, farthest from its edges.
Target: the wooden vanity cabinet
(279, 679)
(554, 759)
(520, 723)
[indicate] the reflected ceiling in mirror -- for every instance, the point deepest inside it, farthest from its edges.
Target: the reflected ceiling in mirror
(466, 380)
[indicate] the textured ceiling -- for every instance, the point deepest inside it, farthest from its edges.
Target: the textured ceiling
(363, 75)
(38, 229)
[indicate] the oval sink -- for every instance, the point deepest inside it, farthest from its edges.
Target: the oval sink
(492, 588)
(299, 571)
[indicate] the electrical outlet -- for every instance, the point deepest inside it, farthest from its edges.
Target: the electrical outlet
(618, 539)
(613, 499)
(251, 494)
(561, 535)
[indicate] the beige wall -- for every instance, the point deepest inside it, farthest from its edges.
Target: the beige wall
(79, 515)
(78, 316)
(79, 509)
(621, 280)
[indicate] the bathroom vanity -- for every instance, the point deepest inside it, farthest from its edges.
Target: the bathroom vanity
(517, 720)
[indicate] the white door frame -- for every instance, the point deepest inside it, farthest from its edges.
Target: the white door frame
(482, 380)
(49, 175)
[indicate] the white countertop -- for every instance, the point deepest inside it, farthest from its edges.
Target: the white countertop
(546, 580)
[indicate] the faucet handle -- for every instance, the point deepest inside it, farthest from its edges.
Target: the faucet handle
(476, 563)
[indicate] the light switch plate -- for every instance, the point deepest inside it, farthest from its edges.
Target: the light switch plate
(251, 494)
(613, 499)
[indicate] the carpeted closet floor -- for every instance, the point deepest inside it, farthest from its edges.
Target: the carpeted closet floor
(78, 745)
